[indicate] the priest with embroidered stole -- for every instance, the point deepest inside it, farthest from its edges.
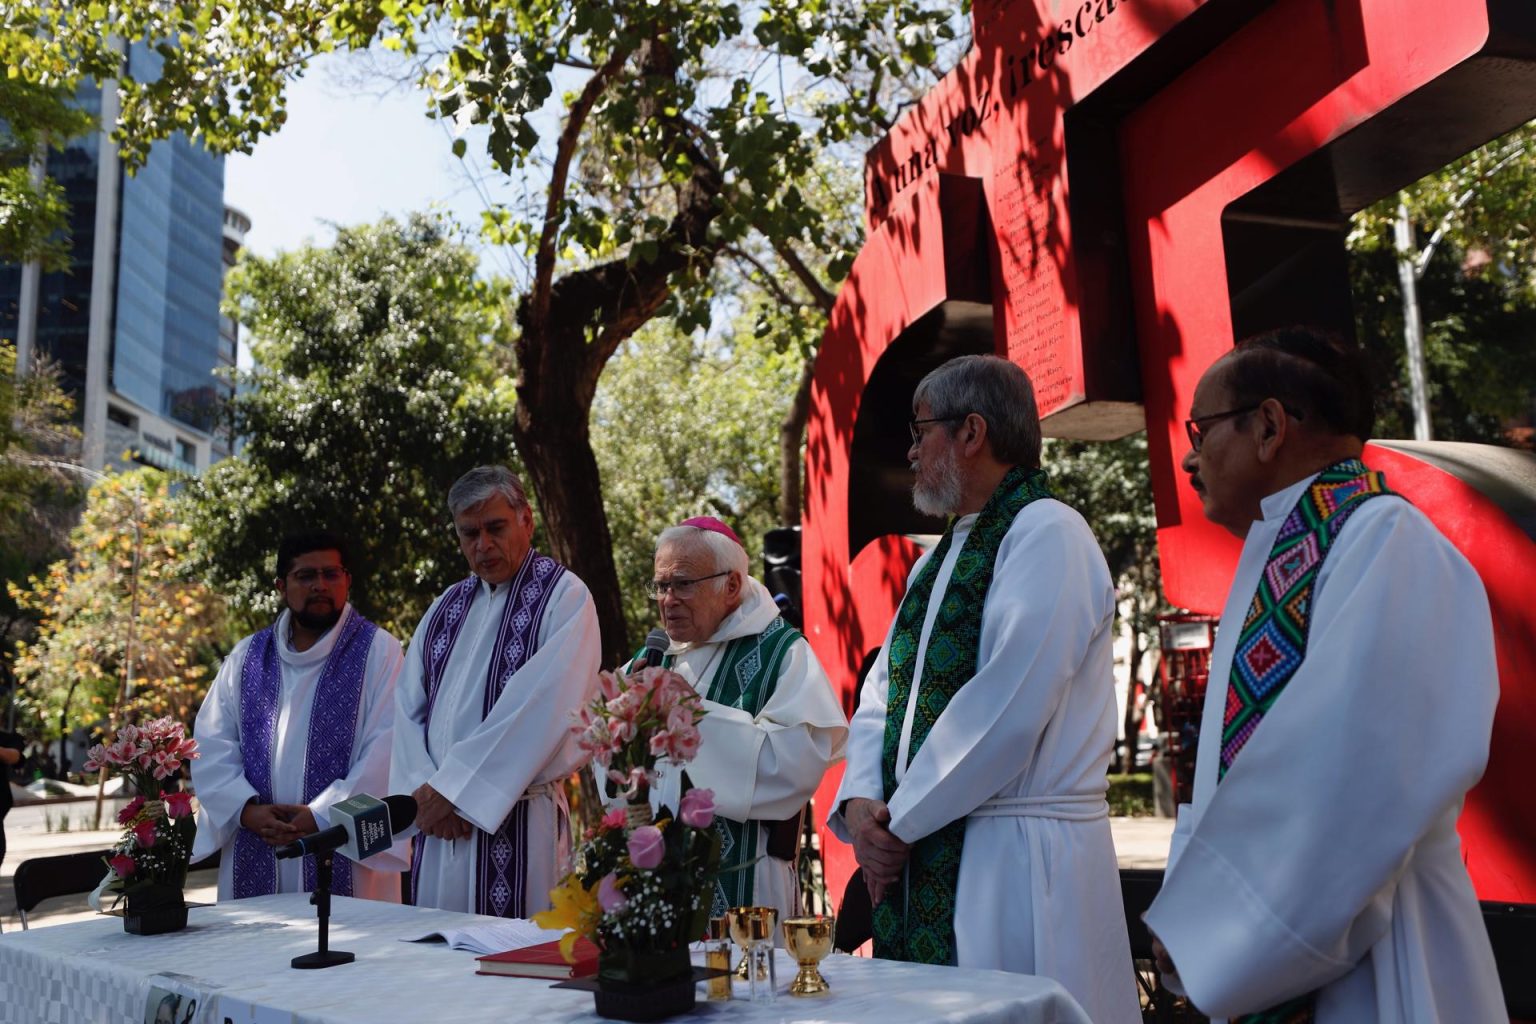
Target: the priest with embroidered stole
(300, 717)
(1317, 876)
(773, 725)
(483, 742)
(974, 789)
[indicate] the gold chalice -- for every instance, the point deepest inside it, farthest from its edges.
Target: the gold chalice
(751, 928)
(808, 940)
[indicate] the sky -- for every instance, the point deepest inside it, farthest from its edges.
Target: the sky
(345, 156)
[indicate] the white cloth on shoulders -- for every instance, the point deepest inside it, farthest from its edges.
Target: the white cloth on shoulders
(1022, 752)
(219, 771)
(765, 766)
(1327, 858)
(484, 764)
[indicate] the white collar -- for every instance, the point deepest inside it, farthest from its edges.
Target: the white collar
(755, 613)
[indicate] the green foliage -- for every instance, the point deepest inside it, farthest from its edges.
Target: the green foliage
(37, 500)
(1477, 295)
(120, 605)
(1110, 483)
(1130, 796)
(376, 387)
(685, 427)
(33, 214)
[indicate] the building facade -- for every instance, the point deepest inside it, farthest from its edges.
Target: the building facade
(134, 323)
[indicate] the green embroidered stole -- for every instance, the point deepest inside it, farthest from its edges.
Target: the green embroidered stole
(916, 920)
(747, 677)
(1273, 640)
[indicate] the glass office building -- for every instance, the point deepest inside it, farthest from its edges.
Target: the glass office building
(152, 306)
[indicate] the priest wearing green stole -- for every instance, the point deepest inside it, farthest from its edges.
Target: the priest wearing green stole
(974, 789)
(772, 725)
(1317, 875)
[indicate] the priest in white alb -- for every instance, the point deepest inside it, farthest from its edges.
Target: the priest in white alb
(299, 717)
(483, 741)
(974, 789)
(1317, 876)
(772, 725)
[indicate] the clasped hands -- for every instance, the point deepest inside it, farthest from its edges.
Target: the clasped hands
(437, 817)
(278, 824)
(877, 849)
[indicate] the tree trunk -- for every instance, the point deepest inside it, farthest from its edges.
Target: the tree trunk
(791, 441)
(557, 451)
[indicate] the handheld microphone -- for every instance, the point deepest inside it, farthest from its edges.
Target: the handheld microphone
(656, 644)
(365, 825)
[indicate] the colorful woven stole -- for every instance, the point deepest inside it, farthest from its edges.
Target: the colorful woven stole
(500, 856)
(1273, 641)
(327, 752)
(747, 677)
(916, 922)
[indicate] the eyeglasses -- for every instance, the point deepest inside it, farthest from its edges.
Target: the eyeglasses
(683, 589)
(305, 577)
(1195, 430)
(917, 435)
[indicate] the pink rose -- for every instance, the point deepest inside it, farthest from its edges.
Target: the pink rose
(178, 805)
(698, 808)
(609, 896)
(144, 833)
(131, 811)
(614, 818)
(122, 865)
(646, 847)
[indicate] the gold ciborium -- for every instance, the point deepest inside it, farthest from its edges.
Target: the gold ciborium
(808, 940)
(752, 929)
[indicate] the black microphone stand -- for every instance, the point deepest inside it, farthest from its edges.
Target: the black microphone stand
(321, 898)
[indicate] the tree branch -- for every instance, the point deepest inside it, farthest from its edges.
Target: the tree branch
(544, 261)
(819, 293)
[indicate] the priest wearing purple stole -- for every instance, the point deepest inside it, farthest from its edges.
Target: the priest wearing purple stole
(496, 667)
(1317, 875)
(299, 717)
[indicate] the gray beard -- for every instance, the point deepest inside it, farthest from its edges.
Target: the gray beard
(941, 496)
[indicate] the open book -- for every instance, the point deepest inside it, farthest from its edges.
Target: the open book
(491, 937)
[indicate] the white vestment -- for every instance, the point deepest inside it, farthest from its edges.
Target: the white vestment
(766, 766)
(1327, 858)
(219, 772)
(484, 764)
(1021, 751)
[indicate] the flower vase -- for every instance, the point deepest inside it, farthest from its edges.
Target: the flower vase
(642, 985)
(155, 910)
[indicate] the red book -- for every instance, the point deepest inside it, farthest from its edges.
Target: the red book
(541, 961)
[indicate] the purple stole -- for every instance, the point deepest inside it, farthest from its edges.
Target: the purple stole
(500, 855)
(327, 753)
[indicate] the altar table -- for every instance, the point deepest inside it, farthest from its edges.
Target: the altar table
(233, 960)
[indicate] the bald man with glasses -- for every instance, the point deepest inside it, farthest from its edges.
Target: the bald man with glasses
(773, 725)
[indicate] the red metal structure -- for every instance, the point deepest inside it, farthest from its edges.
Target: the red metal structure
(1109, 193)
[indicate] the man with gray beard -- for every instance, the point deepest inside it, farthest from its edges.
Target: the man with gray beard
(974, 788)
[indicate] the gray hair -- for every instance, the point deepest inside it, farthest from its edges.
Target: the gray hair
(483, 483)
(996, 390)
(726, 554)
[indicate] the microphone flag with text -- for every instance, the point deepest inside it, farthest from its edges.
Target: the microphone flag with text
(364, 826)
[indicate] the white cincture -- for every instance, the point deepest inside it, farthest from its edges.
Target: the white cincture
(1088, 807)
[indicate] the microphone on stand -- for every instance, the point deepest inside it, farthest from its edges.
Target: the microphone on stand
(365, 825)
(656, 644)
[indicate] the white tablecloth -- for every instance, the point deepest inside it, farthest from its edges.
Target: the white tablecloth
(233, 959)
